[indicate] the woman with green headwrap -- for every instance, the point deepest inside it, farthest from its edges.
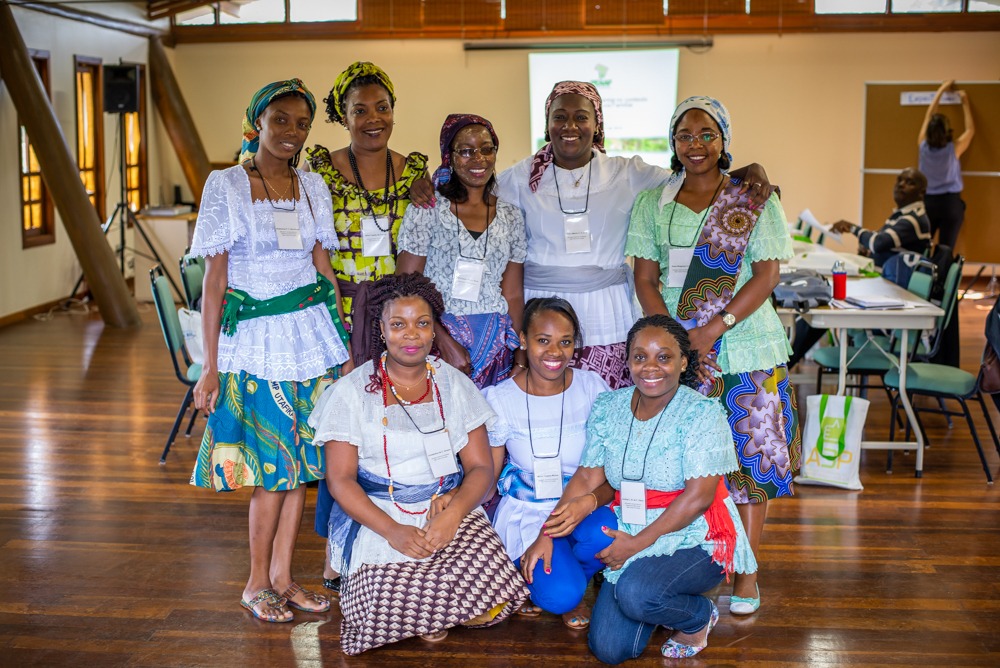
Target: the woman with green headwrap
(273, 334)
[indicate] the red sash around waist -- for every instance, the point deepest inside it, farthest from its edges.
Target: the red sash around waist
(721, 529)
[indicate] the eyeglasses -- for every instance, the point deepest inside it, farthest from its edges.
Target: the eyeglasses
(466, 153)
(703, 137)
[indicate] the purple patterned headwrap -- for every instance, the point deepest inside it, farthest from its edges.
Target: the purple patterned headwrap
(544, 157)
(452, 125)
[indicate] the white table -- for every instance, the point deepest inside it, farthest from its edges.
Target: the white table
(920, 317)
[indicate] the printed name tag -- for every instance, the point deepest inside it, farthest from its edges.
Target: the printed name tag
(680, 260)
(286, 225)
(633, 502)
(376, 236)
(548, 477)
(439, 454)
(576, 227)
(468, 280)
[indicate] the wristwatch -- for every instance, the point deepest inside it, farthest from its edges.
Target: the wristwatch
(728, 319)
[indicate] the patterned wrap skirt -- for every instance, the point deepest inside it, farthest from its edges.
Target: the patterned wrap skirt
(607, 361)
(472, 575)
(490, 339)
(259, 435)
(764, 420)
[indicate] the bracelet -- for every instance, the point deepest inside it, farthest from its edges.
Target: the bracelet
(597, 504)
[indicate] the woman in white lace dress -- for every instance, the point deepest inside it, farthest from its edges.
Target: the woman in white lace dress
(272, 332)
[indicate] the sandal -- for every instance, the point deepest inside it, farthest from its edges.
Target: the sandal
(294, 589)
(577, 619)
(529, 610)
(678, 650)
(333, 585)
(435, 637)
(273, 603)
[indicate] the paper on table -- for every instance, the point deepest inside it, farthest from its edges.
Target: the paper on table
(809, 219)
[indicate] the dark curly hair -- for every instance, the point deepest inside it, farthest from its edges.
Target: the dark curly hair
(385, 290)
(675, 329)
(558, 305)
(675, 162)
(939, 132)
(366, 80)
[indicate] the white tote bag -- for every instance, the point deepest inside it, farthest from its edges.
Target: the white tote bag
(191, 326)
(831, 444)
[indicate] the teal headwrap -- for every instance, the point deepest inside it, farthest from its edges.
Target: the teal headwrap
(259, 102)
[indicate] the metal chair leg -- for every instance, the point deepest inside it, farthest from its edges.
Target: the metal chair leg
(177, 424)
(892, 429)
(975, 438)
(989, 421)
(194, 416)
(944, 412)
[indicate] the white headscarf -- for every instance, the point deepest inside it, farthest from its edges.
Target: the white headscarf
(719, 114)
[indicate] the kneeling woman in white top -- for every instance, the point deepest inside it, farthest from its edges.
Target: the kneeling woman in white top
(406, 532)
(540, 431)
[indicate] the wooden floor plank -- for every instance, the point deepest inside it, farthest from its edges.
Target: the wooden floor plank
(108, 559)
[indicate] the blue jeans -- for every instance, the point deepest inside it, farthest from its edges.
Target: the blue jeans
(652, 591)
(573, 564)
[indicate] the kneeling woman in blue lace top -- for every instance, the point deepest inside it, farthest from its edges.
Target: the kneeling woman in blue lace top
(664, 448)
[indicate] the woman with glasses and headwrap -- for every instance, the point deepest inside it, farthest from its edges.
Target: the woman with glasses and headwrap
(472, 246)
(576, 202)
(273, 334)
(706, 256)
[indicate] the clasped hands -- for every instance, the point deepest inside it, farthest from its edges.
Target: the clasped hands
(436, 534)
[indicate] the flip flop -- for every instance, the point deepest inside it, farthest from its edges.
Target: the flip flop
(529, 610)
(273, 601)
(295, 588)
(435, 637)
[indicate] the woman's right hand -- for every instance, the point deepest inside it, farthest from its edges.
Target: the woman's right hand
(410, 540)
(422, 193)
(454, 353)
(540, 549)
(206, 392)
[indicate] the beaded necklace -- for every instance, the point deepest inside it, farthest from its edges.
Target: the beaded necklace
(386, 388)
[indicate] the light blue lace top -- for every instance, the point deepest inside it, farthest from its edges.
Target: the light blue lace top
(756, 342)
(693, 440)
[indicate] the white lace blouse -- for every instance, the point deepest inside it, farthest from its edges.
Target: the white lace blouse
(294, 346)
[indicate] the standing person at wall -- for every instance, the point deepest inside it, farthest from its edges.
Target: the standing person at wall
(939, 161)
(706, 256)
(273, 336)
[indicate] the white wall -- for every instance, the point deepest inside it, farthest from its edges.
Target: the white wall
(33, 276)
(797, 103)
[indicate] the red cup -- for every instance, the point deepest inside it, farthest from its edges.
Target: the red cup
(840, 285)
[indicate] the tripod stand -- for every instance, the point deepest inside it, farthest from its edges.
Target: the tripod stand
(124, 215)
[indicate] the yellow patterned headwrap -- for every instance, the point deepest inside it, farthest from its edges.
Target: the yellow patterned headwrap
(259, 102)
(337, 99)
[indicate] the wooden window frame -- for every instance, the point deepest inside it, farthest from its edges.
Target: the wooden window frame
(46, 233)
(142, 165)
(94, 65)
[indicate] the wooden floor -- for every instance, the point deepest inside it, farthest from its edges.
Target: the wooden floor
(108, 559)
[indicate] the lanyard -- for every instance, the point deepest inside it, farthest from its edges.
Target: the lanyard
(267, 192)
(629, 439)
(562, 407)
(586, 203)
(670, 227)
(458, 235)
(366, 195)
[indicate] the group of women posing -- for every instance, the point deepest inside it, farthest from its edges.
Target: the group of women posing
(426, 343)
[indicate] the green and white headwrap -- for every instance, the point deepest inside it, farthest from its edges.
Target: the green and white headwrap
(259, 102)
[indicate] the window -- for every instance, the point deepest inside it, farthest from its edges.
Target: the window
(136, 184)
(984, 6)
(850, 6)
(302, 11)
(253, 11)
(37, 218)
(925, 6)
(268, 11)
(90, 129)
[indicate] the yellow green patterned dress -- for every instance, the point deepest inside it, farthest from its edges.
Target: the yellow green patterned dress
(348, 262)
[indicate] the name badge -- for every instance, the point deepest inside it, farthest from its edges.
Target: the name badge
(633, 502)
(548, 477)
(437, 446)
(376, 236)
(468, 280)
(286, 225)
(576, 227)
(680, 260)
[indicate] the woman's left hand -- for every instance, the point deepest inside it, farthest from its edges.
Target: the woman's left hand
(620, 551)
(757, 185)
(441, 529)
(567, 516)
(439, 504)
(422, 193)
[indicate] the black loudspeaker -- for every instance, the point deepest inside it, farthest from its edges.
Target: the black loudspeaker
(121, 88)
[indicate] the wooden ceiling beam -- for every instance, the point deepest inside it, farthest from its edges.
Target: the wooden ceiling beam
(100, 20)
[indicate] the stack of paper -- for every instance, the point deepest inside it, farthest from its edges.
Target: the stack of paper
(877, 302)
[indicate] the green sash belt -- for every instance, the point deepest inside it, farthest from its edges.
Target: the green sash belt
(238, 305)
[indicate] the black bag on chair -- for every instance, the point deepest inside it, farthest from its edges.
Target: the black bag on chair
(801, 290)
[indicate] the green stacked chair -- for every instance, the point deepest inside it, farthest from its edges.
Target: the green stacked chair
(192, 270)
(170, 324)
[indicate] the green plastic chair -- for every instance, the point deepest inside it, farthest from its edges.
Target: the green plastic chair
(170, 324)
(192, 270)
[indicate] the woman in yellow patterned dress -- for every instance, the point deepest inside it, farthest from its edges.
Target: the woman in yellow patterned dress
(370, 185)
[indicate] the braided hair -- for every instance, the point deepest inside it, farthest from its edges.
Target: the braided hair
(385, 290)
(675, 329)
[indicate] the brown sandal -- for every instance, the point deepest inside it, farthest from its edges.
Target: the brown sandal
(529, 610)
(577, 619)
(435, 637)
(272, 601)
(294, 589)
